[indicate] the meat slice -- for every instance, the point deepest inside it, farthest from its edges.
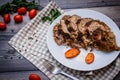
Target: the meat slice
(76, 45)
(107, 43)
(66, 17)
(64, 27)
(95, 24)
(72, 26)
(58, 37)
(86, 42)
(82, 23)
(78, 32)
(74, 18)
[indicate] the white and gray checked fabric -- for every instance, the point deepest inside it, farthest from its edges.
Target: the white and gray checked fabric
(30, 41)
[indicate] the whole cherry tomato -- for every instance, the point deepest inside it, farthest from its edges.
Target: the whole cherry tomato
(18, 18)
(6, 18)
(21, 10)
(2, 26)
(32, 13)
(34, 77)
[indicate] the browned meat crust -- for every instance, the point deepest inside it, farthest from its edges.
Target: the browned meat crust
(80, 32)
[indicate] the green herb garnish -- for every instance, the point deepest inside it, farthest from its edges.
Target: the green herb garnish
(45, 18)
(54, 13)
(15, 4)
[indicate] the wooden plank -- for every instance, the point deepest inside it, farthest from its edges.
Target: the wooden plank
(10, 62)
(22, 75)
(86, 3)
(14, 62)
(11, 65)
(4, 45)
(43, 3)
(5, 37)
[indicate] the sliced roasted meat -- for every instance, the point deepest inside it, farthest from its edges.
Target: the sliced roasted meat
(58, 37)
(107, 42)
(86, 42)
(95, 24)
(78, 32)
(64, 27)
(73, 26)
(97, 34)
(74, 18)
(66, 17)
(81, 24)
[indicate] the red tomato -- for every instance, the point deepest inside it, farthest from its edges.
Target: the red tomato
(32, 13)
(18, 18)
(6, 18)
(2, 26)
(21, 10)
(34, 77)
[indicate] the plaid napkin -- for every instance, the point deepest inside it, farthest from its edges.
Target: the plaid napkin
(30, 41)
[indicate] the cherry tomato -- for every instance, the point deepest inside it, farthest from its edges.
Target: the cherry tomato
(2, 26)
(32, 13)
(34, 77)
(18, 18)
(21, 10)
(6, 18)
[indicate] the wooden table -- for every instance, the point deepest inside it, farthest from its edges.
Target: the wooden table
(14, 66)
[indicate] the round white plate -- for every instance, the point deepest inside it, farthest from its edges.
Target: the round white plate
(102, 59)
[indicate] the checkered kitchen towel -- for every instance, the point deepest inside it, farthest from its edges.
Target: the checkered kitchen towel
(30, 41)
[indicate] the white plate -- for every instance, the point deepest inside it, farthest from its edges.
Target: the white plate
(102, 59)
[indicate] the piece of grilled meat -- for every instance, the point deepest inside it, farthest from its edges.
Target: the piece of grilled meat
(80, 32)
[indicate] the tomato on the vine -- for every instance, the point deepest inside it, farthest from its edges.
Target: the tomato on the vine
(21, 10)
(32, 13)
(2, 26)
(6, 18)
(34, 77)
(18, 18)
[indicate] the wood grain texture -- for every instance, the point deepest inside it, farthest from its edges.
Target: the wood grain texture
(22, 75)
(86, 3)
(13, 66)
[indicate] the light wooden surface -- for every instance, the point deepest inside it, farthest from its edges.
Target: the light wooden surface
(13, 66)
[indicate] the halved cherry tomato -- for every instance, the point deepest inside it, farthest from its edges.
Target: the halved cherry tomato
(2, 26)
(32, 13)
(18, 18)
(21, 10)
(6, 18)
(34, 77)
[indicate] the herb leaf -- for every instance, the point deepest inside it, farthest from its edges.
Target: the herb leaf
(6, 8)
(45, 18)
(54, 13)
(57, 14)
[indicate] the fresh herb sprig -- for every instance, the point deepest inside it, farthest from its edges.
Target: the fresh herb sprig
(6, 8)
(24, 3)
(54, 13)
(15, 4)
